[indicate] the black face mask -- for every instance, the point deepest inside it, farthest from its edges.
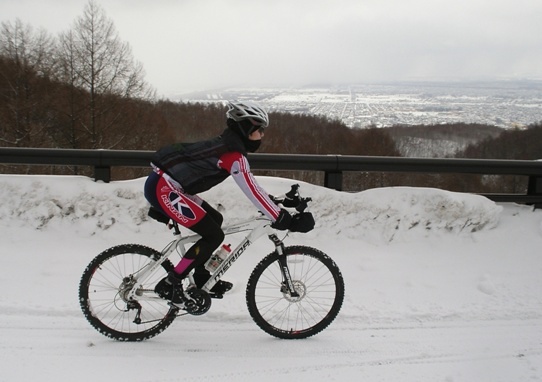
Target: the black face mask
(252, 146)
(242, 131)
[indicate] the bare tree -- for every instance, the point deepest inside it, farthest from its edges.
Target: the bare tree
(33, 51)
(28, 58)
(70, 110)
(98, 61)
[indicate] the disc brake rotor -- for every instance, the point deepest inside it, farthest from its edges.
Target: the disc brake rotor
(299, 287)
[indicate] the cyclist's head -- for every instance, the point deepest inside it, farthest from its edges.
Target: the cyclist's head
(248, 115)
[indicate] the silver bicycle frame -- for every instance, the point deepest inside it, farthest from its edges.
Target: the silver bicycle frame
(258, 227)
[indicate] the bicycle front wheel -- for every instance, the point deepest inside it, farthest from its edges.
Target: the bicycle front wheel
(103, 294)
(320, 293)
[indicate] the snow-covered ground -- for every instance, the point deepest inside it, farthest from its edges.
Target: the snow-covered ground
(440, 286)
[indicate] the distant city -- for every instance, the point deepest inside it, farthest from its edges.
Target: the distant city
(507, 104)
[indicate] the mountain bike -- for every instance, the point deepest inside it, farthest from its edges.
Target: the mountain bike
(294, 292)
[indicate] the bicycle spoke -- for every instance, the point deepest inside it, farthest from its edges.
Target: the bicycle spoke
(317, 282)
(103, 295)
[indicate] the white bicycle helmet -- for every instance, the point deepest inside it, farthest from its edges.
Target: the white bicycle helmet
(243, 110)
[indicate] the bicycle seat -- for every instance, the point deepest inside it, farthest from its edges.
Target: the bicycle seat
(158, 215)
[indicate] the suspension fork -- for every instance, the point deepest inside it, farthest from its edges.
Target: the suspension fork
(286, 277)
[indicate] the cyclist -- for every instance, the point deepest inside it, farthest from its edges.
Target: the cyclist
(183, 170)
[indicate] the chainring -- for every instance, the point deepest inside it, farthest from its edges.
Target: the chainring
(198, 302)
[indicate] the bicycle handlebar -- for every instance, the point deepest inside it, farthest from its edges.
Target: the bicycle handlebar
(292, 199)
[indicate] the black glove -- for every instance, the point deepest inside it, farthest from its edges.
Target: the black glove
(302, 222)
(283, 220)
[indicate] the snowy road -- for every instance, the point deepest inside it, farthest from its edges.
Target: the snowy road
(38, 346)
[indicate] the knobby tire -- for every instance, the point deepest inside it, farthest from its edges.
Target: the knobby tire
(318, 281)
(101, 297)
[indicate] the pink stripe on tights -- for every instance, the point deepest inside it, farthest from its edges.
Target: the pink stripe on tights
(183, 265)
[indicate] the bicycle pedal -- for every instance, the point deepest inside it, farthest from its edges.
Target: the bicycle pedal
(217, 296)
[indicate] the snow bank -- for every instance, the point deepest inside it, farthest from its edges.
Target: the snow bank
(377, 215)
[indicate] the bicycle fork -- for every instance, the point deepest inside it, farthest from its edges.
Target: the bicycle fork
(288, 285)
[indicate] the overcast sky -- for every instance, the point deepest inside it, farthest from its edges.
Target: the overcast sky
(188, 45)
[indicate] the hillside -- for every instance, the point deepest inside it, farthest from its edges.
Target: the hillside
(439, 141)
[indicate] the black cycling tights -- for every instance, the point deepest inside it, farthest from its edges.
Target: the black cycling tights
(209, 228)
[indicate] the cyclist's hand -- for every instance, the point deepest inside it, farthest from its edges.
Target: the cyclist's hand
(283, 220)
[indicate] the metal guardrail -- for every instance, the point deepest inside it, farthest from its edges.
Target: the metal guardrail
(332, 165)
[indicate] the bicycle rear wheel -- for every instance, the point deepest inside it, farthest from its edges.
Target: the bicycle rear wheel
(316, 279)
(103, 286)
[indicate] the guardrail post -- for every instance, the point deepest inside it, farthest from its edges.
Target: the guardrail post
(334, 180)
(535, 188)
(102, 173)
